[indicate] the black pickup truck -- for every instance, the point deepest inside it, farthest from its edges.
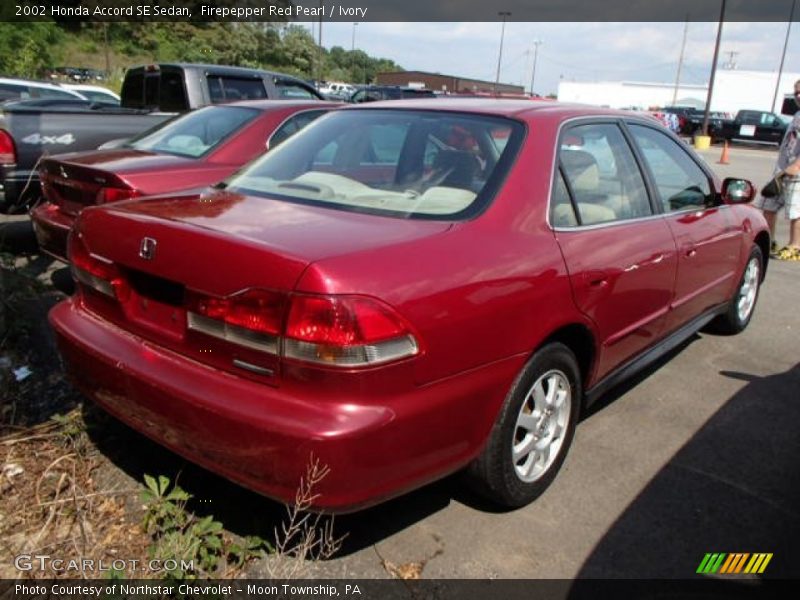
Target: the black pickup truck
(31, 129)
(753, 126)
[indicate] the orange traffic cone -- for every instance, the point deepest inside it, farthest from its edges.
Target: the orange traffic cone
(723, 160)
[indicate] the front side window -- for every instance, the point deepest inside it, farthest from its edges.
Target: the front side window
(196, 133)
(680, 182)
(395, 162)
(602, 176)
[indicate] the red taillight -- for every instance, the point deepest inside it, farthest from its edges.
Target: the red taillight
(8, 152)
(256, 310)
(96, 272)
(340, 331)
(341, 321)
(346, 331)
(115, 194)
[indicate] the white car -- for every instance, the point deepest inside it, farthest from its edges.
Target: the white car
(339, 90)
(95, 93)
(23, 89)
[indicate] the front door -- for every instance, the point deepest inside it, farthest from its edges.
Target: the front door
(620, 256)
(707, 238)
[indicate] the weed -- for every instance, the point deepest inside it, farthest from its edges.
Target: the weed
(197, 546)
(304, 536)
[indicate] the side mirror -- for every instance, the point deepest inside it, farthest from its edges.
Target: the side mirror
(737, 191)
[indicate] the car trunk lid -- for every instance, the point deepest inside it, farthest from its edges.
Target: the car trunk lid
(166, 252)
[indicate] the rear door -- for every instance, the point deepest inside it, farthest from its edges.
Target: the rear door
(705, 231)
(620, 254)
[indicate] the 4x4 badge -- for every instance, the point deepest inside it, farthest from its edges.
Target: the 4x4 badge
(147, 248)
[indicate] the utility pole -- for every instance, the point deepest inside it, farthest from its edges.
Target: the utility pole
(731, 64)
(680, 62)
(536, 44)
(783, 57)
(503, 14)
(105, 49)
(353, 53)
(319, 43)
(713, 68)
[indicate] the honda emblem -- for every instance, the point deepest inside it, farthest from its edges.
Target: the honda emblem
(147, 249)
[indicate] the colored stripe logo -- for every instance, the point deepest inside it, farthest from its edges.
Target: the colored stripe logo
(734, 563)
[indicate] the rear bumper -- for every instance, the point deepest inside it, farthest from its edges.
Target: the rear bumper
(51, 227)
(262, 436)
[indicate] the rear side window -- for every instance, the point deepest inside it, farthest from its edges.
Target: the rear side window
(52, 93)
(292, 125)
(601, 176)
(233, 89)
(9, 90)
(680, 182)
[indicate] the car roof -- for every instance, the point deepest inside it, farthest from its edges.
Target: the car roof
(268, 105)
(520, 109)
(41, 85)
(219, 69)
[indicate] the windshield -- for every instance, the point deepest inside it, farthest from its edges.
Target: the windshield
(415, 164)
(196, 133)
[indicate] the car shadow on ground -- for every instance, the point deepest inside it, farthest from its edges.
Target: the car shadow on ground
(734, 487)
(246, 513)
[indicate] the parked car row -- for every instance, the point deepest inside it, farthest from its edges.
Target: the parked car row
(150, 95)
(371, 93)
(402, 289)
(753, 126)
(747, 126)
(23, 89)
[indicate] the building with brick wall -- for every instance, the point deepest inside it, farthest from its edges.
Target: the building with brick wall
(450, 84)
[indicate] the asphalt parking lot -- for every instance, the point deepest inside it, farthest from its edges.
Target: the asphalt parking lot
(698, 454)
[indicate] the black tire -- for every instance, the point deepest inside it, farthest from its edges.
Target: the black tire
(495, 474)
(734, 320)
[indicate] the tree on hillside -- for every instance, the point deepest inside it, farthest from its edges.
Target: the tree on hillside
(28, 49)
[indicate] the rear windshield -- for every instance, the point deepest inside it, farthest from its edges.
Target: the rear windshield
(412, 164)
(162, 89)
(196, 133)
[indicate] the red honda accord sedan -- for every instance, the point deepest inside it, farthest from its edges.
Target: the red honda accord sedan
(191, 151)
(404, 290)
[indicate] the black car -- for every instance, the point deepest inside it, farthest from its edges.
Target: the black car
(389, 92)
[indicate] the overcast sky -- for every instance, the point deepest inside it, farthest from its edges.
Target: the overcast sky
(572, 51)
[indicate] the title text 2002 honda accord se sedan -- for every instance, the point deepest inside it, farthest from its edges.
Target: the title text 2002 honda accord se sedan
(405, 290)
